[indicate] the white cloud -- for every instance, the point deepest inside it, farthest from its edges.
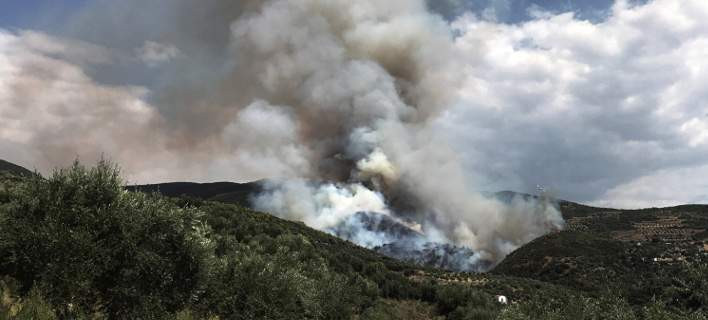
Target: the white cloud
(696, 131)
(587, 107)
(664, 188)
(53, 111)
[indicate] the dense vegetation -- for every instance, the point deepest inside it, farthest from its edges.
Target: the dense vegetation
(76, 245)
(225, 192)
(11, 168)
(649, 255)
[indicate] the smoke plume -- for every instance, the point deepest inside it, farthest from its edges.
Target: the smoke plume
(335, 101)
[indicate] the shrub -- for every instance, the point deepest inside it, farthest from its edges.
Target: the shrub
(400, 310)
(35, 308)
(87, 243)
(280, 281)
(458, 300)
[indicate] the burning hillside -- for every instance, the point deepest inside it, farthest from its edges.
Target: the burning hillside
(335, 101)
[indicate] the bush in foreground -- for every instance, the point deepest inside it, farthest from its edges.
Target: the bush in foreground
(89, 245)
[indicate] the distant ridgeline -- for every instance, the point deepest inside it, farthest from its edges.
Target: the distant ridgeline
(74, 246)
(226, 192)
(13, 168)
(240, 193)
(403, 243)
(637, 251)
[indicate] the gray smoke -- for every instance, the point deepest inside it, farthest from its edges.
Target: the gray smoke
(337, 99)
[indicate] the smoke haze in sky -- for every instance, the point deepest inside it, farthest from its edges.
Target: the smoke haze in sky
(380, 107)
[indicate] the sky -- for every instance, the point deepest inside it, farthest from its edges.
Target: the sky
(516, 11)
(36, 14)
(47, 14)
(600, 102)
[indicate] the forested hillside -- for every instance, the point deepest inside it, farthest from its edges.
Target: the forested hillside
(643, 255)
(76, 245)
(12, 168)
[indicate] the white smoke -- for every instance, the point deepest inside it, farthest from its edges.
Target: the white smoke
(338, 99)
(368, 81)
(320, 207)
(378, 168)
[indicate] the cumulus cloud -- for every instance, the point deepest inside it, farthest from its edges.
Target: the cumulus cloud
(583, 107)
(55, 113)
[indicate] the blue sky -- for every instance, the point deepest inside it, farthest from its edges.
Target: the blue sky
(36, 14)
(514, 11)
(49, 14)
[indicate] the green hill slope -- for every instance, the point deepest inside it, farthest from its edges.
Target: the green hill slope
(227, 192)
(644, 254)
(13, 168)
(76, 245)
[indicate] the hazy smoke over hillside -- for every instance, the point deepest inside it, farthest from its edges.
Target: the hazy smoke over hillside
(336, 99)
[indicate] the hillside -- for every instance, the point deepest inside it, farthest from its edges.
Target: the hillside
(13, 168)
(74, 245)
(641, 254)
(227, 192)
(636, 254)
(406, 244)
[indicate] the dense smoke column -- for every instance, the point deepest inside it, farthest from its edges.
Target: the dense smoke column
(363, 82)
(348, 102)
(339, 99)
(334, 101)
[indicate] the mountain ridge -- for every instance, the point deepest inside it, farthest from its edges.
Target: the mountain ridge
(640, 262)
(13, 168)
